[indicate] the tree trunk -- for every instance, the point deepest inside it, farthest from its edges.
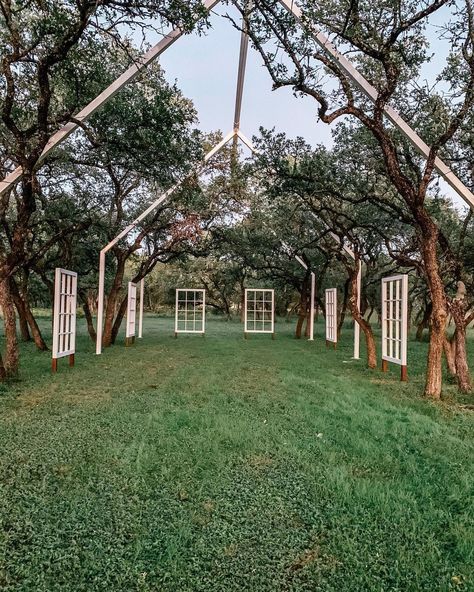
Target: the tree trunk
(112, 297)
(227, 310)
(12, 355)
(35, 330)
(364, 325)
(462, 367)
(300, 322)
(458, 312)
(122, 309)
(424, 323)
(242, 303)
(345, 301)
(3, 372)
(88, 315)
(448, 348)
(439, 313)
(91, 300)
(371, 312)
(21, 300)
(303, 308)
(307, 330)
(20, 308)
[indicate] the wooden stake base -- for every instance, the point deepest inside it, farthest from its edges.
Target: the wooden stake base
(403, 371)
(404, 374)
(54, 363)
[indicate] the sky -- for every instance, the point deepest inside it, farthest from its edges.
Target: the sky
(205, 69)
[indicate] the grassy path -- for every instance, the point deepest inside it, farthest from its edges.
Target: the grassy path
(216, 464)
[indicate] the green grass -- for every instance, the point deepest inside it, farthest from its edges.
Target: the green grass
(219, 464)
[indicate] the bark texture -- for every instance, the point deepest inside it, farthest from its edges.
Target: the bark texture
(11, 358)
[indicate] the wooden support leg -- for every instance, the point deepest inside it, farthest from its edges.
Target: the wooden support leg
(384, 366)
(54, 365)
(404, 374)
(175, 335)
(273, 336)
(327, 343)
(71, 360)
(245, 335)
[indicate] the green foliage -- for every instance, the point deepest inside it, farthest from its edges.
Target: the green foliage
(215, 463)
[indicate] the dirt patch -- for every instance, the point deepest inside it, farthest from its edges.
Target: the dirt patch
(259, 462)
(313, 556)
(230, 550)
(308, 557)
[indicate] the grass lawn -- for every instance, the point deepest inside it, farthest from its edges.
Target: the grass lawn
(219, 464)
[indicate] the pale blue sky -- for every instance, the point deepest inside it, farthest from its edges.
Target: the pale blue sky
(205, 69)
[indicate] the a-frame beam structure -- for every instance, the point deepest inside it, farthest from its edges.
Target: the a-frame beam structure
(239, 93)
(244, 45)
(234, 135)
(12, 178)
(163, 197)
(104, 97)
(449, 176)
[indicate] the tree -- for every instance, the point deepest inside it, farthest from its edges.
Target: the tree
(47, 71)
(388, 43)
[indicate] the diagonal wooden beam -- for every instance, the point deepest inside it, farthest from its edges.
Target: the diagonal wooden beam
(364, 85)
(162, 198)
(130, 74)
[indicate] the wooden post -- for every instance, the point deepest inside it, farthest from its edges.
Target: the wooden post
(404, 374)
(54, 365)
(384, 366)
(71, 360)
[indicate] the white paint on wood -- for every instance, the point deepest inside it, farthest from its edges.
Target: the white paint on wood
(259, 310)
(131, 310)
(331, 315)
(395, 319)
(140, 318)
(64, 316)
(190, 311)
